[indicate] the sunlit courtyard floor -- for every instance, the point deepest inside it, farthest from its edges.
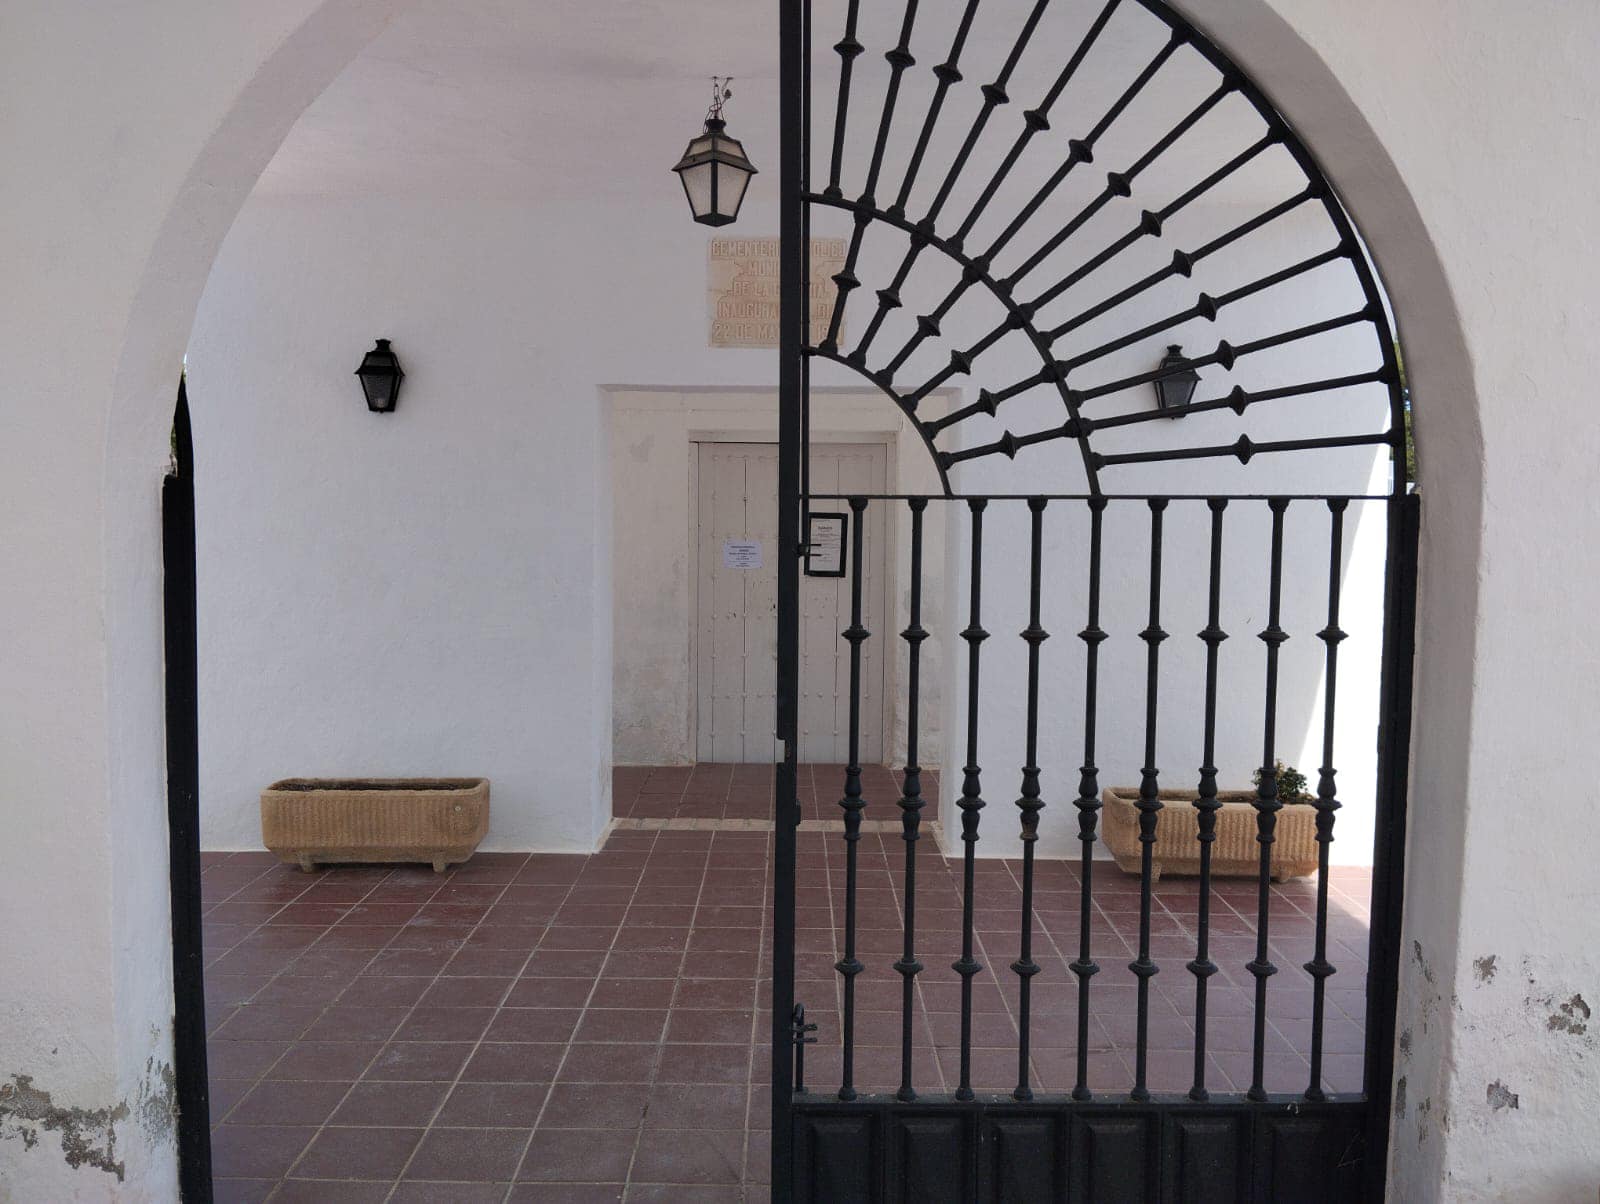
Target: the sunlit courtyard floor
(571, 1028)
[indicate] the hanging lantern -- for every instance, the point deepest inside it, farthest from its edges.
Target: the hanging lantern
(714, 169)
(380, 378)
(1175, 386)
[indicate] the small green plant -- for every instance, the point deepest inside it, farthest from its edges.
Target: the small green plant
(1291, 784)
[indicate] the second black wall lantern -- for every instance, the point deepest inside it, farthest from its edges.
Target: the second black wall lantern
(1175, 386)
(380, 378)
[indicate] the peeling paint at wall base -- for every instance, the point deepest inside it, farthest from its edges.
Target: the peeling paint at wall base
(89, 1135)
(1502, 1097)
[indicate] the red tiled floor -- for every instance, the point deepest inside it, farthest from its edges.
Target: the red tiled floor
(745, 791)
(594, 1028)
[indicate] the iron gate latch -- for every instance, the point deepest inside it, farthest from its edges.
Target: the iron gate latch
(801, 1040)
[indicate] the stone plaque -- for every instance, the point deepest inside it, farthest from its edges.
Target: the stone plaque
(742, 282)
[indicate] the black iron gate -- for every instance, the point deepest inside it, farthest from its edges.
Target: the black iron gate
(1051, 252)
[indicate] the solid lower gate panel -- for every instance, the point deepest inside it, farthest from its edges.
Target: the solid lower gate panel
(1171, 1152)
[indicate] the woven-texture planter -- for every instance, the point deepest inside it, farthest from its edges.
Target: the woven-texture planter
(321, 820)
(1234, 854)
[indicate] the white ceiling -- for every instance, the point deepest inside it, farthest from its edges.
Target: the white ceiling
(496, 96)
(505, 97)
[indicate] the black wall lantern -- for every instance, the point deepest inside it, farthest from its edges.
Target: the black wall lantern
(380, 378)
(714, 170)
(1175, 386)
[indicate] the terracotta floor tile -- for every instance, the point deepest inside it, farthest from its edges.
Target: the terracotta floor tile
(616, 1106)
(243, 1059)
(494, 1105)
(257, 1151)
(691, 1106)
(522, 1062)
(694, 1156)
(550, 993)
(357, 1153)
(383, 1103)
(703, 1064)
(566, 1193)
(533, 1024)
(356, 1023)
(419, 1061)
(325, 1060)
(283, 1102)
(333, 1191)
(576, 1156)
(468, 1154)
(412, 1192)
(608, 1064)
(674, 1193)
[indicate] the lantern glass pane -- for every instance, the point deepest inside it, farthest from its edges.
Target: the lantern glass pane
(731, 193)
(377, 387)
(697, 187)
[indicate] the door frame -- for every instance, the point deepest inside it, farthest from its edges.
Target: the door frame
(669, 420)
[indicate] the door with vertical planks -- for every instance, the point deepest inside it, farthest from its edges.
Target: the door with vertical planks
(736, 608)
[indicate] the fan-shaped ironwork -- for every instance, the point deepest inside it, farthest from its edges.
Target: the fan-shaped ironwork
(1037, 261)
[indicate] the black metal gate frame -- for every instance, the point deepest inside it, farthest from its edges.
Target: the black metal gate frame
(1027, 1146)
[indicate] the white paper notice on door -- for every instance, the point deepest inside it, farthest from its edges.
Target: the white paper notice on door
(741, 553)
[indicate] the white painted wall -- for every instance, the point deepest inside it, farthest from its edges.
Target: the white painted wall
(399, 594)
(1429, 116)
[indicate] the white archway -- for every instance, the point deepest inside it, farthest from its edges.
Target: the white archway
(270, 81)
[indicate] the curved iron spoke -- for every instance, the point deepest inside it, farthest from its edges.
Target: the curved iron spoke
(947, 74)
(1019, 315)
(994, 95)
(845, 280)
(1182, 264)
(847, 48)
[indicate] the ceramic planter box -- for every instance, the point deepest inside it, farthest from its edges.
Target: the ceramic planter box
(309, 821)
(1234, 854)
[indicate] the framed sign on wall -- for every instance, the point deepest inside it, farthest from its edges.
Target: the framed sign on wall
(826, 537)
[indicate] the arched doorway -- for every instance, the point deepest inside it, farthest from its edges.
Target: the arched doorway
(163, 304)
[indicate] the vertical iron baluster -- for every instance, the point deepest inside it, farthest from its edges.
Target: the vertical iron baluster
(1088, 800)
(179, 621)
(1206, 805)
(1402, 524)
(1029, 803)
(1149, 803)
(971, 801)
(911, 800)
(1267, 803)
(793, 176)
(849, 965)
(1327, 795)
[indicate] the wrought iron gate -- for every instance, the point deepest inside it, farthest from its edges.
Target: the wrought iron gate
(1052, 257)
